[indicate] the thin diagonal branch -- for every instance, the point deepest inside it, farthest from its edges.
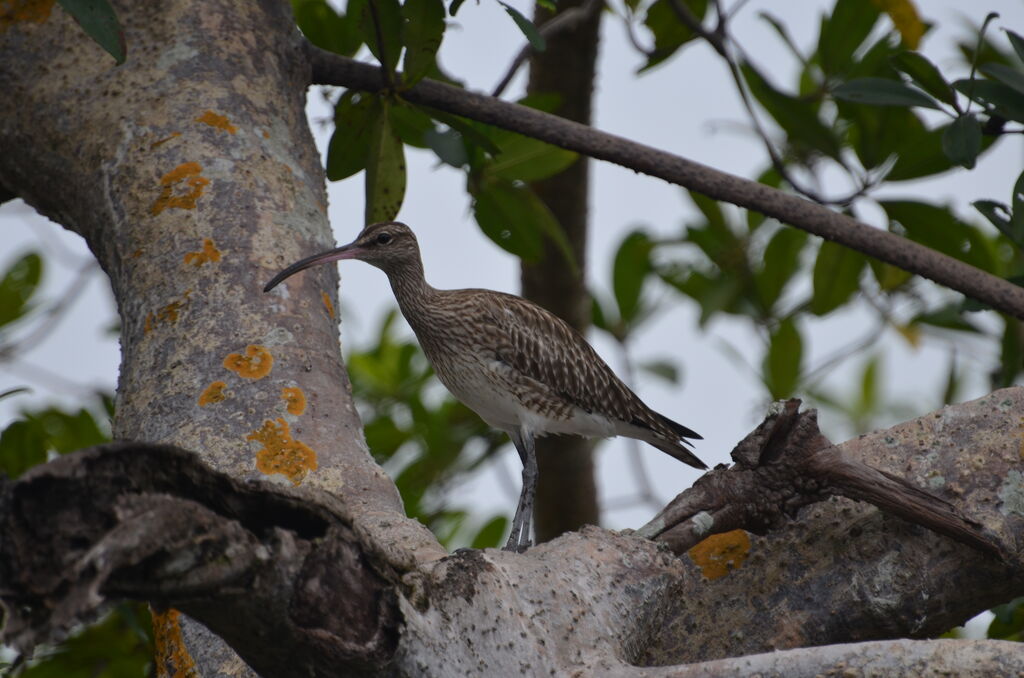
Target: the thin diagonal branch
(332, 69)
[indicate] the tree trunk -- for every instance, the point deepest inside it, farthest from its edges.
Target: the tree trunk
(566, 489)
(191, 173)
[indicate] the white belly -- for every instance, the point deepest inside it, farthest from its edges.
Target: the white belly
(492, 392)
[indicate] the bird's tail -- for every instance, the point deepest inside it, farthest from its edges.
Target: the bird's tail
(675, 442)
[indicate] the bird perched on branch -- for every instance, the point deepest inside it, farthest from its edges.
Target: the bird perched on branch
(522, 369)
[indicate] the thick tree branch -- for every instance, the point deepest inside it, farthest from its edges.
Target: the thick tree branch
(332, 69)
(890, 658)
(151, 522)
(786, 464)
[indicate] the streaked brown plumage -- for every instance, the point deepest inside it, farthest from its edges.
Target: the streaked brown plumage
(522, 369)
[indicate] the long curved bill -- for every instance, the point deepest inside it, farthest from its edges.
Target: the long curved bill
(345, 252)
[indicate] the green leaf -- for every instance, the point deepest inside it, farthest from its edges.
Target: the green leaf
(509, 215)
(18, 285)
(327, 29)
(669, 32)
(950, 317)
(925, 75)
(380, 22)
(119, 645)
(1017, 213)
(781, 263)
(663, 369)
(421, 34)
(889, 277)
(98, 20)
(385, 169)
(449, 147)
(868, 387)
(1007, 75)
(798, 117)
(1008, 619)
(1006, 101)
(920, 154)
(842, 32)
(490, 535)
(523, 158)
(962, 140)
(411, 124)
(938, 228)
(632, 264)
(350, 144)
(22, 446)
(837, 272)
(472, 133)
(537, 40)
(1017, 42)
(883, 92)
(782, 363)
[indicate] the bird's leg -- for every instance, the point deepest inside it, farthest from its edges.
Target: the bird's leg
(519, 539)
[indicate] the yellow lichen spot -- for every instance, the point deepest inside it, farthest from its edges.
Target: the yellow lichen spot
(194, 184)
(327, 303)
(720, 554)
(15, 11)
(163, 141)
(219, 121)
(214, 393)
(208, 253)
(905, 18)
(170, 653)
(295, 398)
(255, 364)
(281, 453)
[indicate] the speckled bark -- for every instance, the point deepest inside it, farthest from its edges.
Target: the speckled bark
(566, 489)
(191, 173)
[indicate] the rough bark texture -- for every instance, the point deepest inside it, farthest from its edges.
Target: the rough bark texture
(566, 489)
(191, 173)
(253, 561)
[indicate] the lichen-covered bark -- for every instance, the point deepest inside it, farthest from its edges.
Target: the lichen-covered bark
(191, 173)
(566, 489)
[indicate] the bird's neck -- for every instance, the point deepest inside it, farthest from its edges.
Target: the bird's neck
(412, 291)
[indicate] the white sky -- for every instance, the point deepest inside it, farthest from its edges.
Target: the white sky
(687, 106)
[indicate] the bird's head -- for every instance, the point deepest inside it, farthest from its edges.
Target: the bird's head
(388, 245)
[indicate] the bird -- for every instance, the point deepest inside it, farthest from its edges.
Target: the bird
(522, 369)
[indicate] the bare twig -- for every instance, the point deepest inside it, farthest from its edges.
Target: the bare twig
(333, 69)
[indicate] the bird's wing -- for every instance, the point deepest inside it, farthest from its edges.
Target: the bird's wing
(542, 347)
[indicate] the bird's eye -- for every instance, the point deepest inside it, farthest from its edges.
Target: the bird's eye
(383, 238)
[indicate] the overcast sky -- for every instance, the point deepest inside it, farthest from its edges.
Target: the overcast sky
(688, 107)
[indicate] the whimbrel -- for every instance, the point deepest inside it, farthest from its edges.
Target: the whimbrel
(522, 369)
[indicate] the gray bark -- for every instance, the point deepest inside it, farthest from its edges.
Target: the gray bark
(147, 176)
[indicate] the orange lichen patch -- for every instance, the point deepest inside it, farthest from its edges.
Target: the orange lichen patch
(164, 140)
(720, 554)
(168, 315)
(137, 253)
(170, 654)
(194, 184)
(281, 453)
(255, 364)
(295, 398)
(905, 18)
(14, 11)
(214, 393)
(208, 253)
(219, 121)
(266, 134)
(148, 327)
(327, 303)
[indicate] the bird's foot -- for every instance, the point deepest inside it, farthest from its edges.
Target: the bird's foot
(515, 545)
